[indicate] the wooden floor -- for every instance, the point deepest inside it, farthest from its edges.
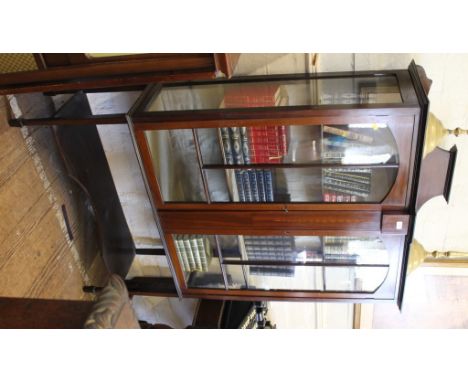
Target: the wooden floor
(38, 258)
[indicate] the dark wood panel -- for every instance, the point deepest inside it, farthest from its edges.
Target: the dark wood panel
(67, 72)
(25, 313)
(395, 224)
(437, 170)
(141, 65)
(274, 220)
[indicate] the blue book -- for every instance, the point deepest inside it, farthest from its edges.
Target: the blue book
(254, 186)
(246, 184)
(236, 145)
(240, 186)
(245, 145)
(261, 186)
(227, 145)
(268, 178)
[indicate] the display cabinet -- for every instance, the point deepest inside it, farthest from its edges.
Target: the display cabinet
(298, 187)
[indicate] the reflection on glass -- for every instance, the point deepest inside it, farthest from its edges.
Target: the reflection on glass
(331, 263)
(337, 91)
(314, 147)
(303, 184)
(304, 262)
(352, 144)
(277, 277)
(174, 158)
(354, 279)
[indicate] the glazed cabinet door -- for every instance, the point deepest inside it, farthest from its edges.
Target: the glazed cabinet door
(288, 266)
(278, 143)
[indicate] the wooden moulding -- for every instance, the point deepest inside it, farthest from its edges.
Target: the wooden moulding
(436, 175)
(66, 72)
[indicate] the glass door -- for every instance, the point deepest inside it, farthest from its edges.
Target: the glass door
(274, 162)
(283, 263)
(354, 163)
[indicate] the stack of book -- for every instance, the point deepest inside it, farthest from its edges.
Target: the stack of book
(194, 251)
(336, 248)
(340, 142)
(267, 144)
(254, 95)
(346, 185)
(252, 185)
(258, 144)
(270, 248)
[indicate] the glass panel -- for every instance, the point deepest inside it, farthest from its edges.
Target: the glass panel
(199, 260)
(344, 90)
(295, 159)
(304, 262)
(355, 250)
(354, 279)
(282, 277)
(305, 184)
(353, 144)
(174, 158)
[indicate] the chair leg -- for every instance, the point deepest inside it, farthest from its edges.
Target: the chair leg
(92, 289)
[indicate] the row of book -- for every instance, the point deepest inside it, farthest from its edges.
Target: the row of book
(258, 144)
(346, 185)
(194, 251)
(275, 248)
(255, 185)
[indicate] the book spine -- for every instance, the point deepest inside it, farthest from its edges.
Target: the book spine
(346, 184)
(245, 145)
(341, 190)
(188, 251)
(196, 252)
(348, 177)
(181, 252)
(254, 186)
(240, 185)
(246, 185)
(202, 252)
(261, 186)
(227, 145)
(268, 178)
(236, 145)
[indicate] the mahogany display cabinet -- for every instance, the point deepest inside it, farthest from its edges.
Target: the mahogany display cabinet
(286, 187)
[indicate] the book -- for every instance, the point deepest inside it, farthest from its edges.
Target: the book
(189, 253)
(252, 95)
(246, 186)
(245, 145)
(268, 182)
(181, 253)
(227, 150)
(261, 186)
(196, 252)
(348, 134)
(253, 185)
(240, 185)
(236, 145)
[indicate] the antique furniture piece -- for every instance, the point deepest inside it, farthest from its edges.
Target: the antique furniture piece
(69, 72)
(290, 187)
(294, 187)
